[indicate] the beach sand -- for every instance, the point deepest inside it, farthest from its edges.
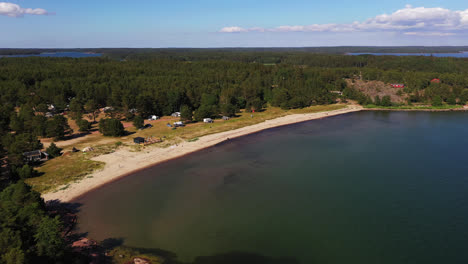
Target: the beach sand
(124, 162)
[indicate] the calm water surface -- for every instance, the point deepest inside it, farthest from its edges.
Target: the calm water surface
(58, 54)
(455, 55)
(368, 187)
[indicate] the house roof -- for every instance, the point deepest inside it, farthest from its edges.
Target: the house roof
(32, 153)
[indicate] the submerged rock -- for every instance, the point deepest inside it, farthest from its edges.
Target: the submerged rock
(140, 261)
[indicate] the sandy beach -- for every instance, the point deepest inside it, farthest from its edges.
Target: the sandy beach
(124, 162)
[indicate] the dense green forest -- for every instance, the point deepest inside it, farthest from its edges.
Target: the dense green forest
(28, 232)
(199, 83)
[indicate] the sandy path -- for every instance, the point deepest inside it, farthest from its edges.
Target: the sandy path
(123, 162)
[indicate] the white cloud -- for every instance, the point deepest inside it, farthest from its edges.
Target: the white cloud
(233, 30)
(14, 10)
(430, 34)
(418, 21)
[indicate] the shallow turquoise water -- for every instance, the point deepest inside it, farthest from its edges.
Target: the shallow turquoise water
(368, 187)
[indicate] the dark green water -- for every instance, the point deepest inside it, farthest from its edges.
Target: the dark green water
(368, 187)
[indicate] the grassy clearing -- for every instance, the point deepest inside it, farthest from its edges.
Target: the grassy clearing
(415, 107)
(63, 170)
(73, 167)
(68, 168)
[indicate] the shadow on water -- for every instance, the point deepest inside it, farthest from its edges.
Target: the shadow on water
(244, 258)
(234, 257)
(99, 253)
(68, 214)
(57, 205)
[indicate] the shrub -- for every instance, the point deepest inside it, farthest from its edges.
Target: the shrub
(111, 127)
(452, 100)
(25, 172)
(255, 104)
(58, 127)
(138, 122)
(54, 151)
(83, 125)
(437, 101)
(386, 101)
(186, 113)
(204, 111)
(377, 100)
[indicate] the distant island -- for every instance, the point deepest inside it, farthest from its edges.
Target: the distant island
(124, 52)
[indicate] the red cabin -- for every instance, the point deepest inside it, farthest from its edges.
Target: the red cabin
(397, 85)
(435, 81)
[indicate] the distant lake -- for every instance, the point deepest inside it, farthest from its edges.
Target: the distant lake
(367, 187)
(455, 55)
(57, 54)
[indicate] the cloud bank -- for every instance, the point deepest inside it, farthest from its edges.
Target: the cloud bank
(417, 21)
(14, 10)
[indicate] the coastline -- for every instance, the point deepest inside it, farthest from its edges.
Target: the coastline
(123, 162)
(463, 109)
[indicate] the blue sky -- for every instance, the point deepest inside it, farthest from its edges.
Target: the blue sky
(241, 23)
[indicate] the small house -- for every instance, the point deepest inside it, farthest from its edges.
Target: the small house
(176, 114)
(34, 156)
(397, 85)
(139, 140)
(226, 118)
(207, 120)
(153, 117)
(179, 124)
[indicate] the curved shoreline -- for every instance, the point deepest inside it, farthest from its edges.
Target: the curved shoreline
(123, 162)
(417, 110)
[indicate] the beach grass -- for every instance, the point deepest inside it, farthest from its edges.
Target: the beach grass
(73, 167)
(62, 171)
